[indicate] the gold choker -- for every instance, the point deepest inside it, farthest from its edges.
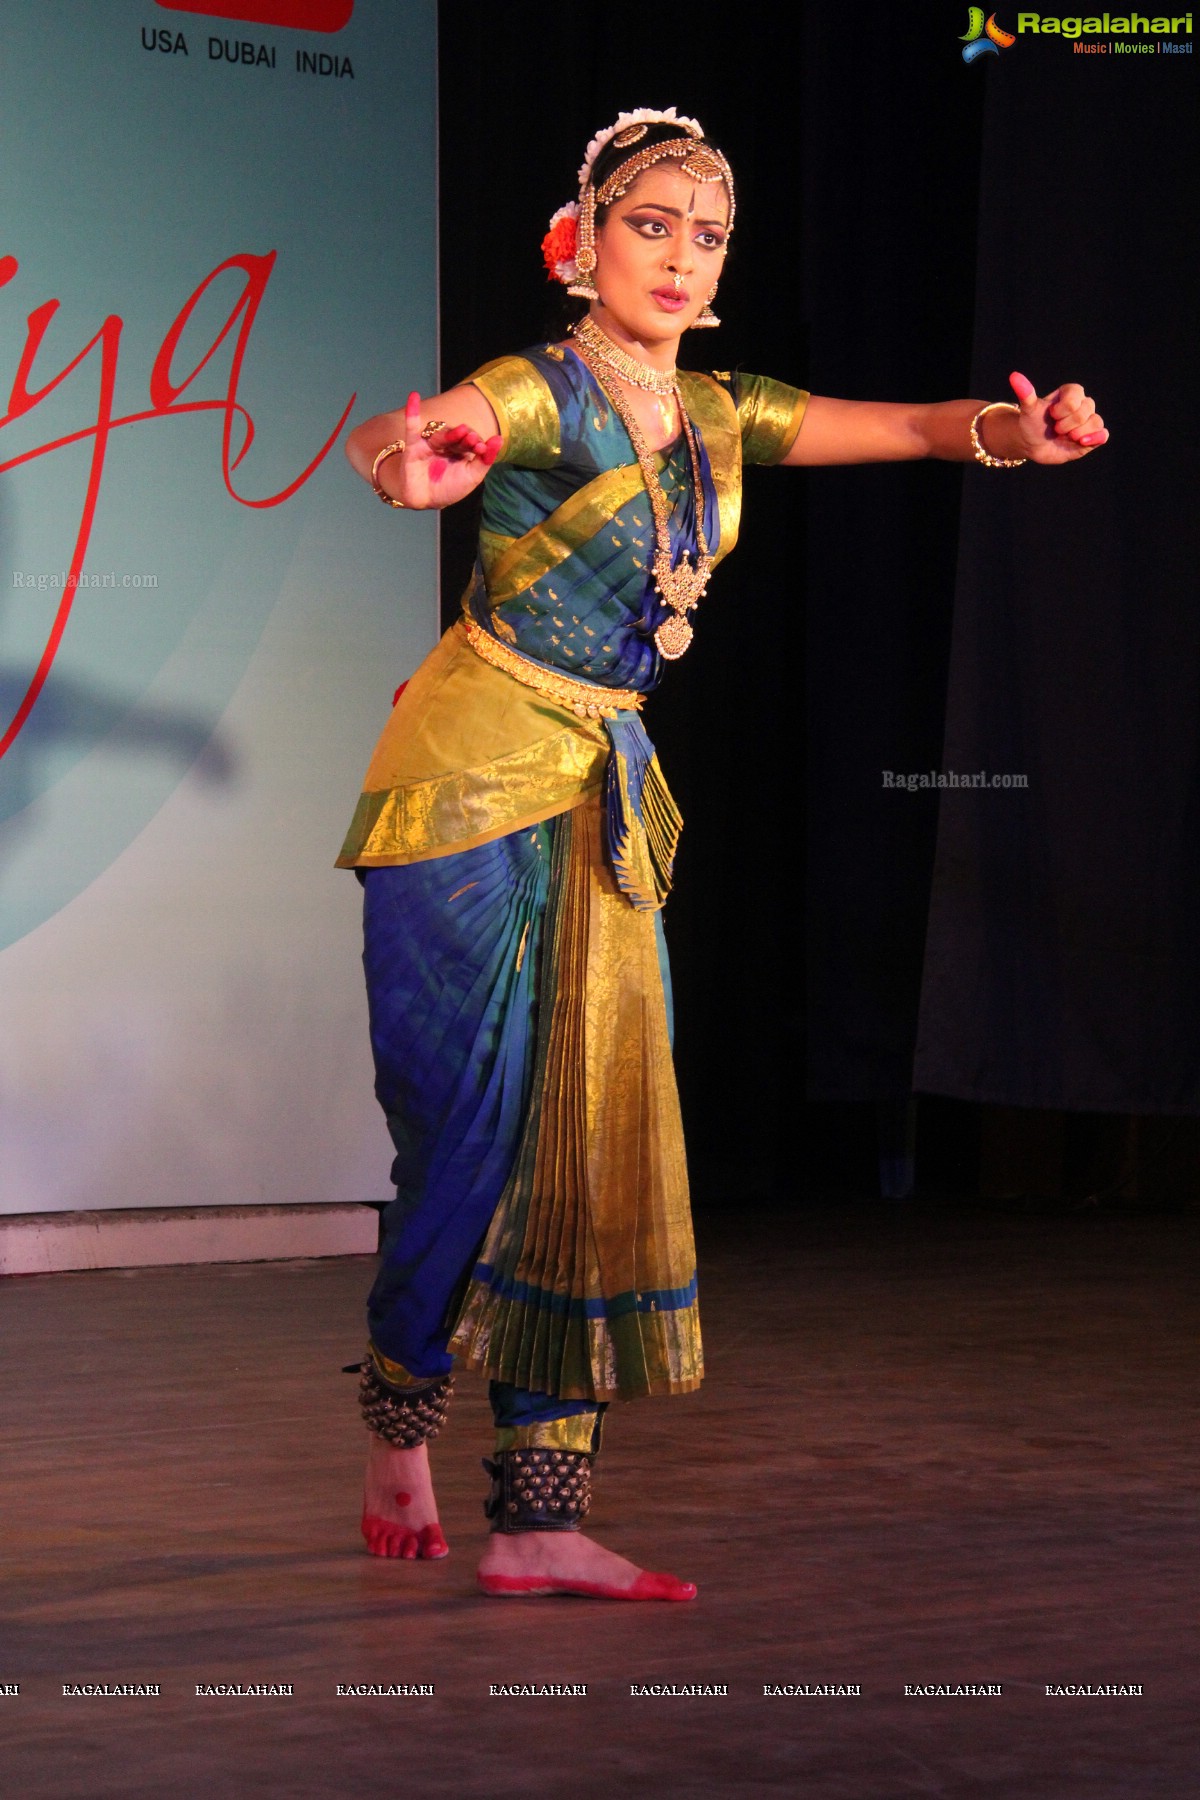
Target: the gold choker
(638, 374)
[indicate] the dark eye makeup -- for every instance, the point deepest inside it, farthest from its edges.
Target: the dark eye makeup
(645, 222)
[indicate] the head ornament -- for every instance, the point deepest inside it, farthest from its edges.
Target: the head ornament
(623, 128)
(568, 248)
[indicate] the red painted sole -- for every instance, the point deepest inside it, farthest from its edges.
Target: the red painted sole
(648, 1586)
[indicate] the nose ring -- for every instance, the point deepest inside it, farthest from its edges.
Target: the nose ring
(677, 282)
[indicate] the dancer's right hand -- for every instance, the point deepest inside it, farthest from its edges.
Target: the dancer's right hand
(436, 467)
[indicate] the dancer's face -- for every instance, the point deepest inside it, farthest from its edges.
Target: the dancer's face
(668, 225)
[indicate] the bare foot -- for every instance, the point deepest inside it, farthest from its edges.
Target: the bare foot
(400, 1515)
(566, 1562)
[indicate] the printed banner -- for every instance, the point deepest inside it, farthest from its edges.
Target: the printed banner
(218, 254)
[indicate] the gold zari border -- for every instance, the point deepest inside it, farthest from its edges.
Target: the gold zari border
(395, 1373)
(770, 414)
(576, 1432)
(712, 409)
(525, 409)
(459, 811)
(547, 545)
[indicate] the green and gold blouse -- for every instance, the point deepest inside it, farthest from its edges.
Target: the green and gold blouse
(563, 577)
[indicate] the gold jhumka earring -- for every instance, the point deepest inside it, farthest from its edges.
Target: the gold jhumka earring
(706, 318)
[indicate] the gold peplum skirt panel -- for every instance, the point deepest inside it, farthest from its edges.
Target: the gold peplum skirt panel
(469, 755)
(585, 1285)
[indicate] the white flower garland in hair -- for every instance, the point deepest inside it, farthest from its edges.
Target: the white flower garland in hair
(645, 115)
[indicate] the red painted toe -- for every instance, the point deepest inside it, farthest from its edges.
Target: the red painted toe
(433, 1545)
(379, 1533)
(650, 1586)
(385, 1537)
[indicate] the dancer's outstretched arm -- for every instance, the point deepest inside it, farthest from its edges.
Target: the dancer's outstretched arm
(1057, 427)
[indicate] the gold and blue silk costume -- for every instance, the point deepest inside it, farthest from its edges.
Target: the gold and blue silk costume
(516, 850)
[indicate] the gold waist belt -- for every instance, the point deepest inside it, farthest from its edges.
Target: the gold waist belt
(586, 698)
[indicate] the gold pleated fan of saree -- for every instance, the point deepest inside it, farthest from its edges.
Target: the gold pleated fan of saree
(586, 1282)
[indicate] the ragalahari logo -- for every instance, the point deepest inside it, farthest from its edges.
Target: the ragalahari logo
(293, 15)
(982, 39)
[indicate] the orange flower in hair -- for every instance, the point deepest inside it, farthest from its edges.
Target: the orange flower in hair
(558, 245)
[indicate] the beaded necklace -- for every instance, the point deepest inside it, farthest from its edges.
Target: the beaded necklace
(637, 374)
(682, 586)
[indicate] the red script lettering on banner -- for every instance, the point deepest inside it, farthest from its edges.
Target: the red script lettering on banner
(166, 402)
(294, 15)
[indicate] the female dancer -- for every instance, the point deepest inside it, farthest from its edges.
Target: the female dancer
(515, 839)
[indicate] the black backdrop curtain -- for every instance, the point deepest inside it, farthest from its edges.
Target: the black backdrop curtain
(1063, 963)
(858, 153)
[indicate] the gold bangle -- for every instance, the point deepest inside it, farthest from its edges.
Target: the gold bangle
(983, 456)
(396, 449)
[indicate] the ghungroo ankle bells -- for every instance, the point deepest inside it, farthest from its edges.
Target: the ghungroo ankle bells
(404, 1417)
(538, 1490)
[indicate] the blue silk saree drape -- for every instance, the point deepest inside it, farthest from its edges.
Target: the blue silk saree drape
(451, 950)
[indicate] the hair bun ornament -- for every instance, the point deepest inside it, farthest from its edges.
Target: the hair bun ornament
(558, 245)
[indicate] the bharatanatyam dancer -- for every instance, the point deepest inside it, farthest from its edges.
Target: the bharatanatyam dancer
(515, 839)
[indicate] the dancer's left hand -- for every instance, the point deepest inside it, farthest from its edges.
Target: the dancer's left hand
(1057, 427)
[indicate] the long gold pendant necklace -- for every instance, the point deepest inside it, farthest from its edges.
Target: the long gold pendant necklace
(682, 586)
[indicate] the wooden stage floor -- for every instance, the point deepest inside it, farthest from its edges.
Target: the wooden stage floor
(935, 1447)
